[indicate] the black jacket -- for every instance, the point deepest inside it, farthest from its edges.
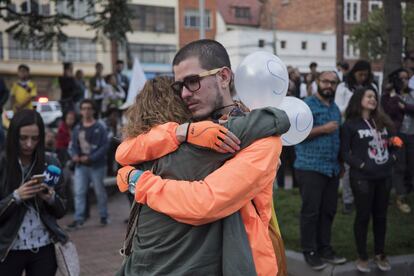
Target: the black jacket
(359, 149)
(12, 214)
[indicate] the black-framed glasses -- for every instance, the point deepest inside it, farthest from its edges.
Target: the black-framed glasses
(192, 82)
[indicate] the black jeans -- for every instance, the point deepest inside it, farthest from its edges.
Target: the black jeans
(371, 197)
(319, 199)
(42, 263)
(403, 171)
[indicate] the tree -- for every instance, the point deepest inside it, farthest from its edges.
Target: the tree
(31, 26)
(381, 36)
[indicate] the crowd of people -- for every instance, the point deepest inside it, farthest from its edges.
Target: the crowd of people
(360, 138)
(176, 149)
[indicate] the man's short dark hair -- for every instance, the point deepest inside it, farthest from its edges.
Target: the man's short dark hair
(98, 64)
(313, 64)
(343, 64)
(210, 53)
(24, 67)
(67, 65)
(88, 101)
(119, 61)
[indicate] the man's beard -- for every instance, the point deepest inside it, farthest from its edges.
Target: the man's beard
(219, 102)
(327, 93)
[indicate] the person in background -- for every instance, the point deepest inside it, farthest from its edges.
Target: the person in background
(342, 69)
(317, 170)
(310, 79)
(83, 90)
(398, 103)
(28, 208)
(96, 86)
(113, 93)
(50, 141)
(408, 63)
(70, 91)
(366, 146)
(24, 91)
(4, 96)
(121, 79)
(63, 136)
(359, 76)
(88, 149)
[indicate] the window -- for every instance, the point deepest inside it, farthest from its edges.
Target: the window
(324, 46)
(77, 49)
(304, 45)
(374, 5)
(352, 11)
(153, 19)
(192, 19)
(242, 12)
(34, 6)
(79, 9)
(350, 51)
(151, 53)
(283, 44)
(29, 52)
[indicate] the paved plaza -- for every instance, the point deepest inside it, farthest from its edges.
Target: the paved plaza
(98, 247)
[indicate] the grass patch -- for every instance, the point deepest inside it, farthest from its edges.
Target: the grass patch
(400, 227)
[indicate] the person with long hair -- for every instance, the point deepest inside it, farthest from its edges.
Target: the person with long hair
(359, 76)
(366, 147)
(398, 103)
(28, 208)
(207, 244)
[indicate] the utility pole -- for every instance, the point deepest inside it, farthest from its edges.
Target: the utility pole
(202, 20)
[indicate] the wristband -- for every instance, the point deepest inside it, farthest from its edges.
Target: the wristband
(17, 197)
(133, 179)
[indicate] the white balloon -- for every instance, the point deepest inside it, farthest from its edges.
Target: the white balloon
(261, 80)
(301, 120)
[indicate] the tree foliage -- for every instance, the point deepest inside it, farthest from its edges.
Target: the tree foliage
(371, 36)
(108, 18)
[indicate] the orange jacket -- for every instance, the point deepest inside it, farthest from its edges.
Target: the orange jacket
(245, 178)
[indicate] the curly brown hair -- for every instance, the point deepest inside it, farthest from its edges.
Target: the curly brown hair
(155, 105)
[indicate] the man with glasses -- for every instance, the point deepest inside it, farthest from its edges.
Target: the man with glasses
(203, 79)
(317, 171)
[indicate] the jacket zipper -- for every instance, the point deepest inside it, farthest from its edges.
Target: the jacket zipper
(11, 244)
(8, 205)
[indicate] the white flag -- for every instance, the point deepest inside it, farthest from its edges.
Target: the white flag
(137, 82)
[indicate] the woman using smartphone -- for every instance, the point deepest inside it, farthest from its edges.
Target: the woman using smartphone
(366, 146)
(28, 207)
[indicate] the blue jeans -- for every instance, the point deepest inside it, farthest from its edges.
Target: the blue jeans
(83, 176)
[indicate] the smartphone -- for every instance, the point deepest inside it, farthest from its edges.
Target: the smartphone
(40, 178)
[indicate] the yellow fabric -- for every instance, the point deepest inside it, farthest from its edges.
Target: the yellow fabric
(21, 94)
(278, 245)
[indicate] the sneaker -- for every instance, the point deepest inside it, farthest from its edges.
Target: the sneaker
(104, 221)
(331, 257)
(403, 206)
(314, 261)
(76, 224)
(382, 262)
(347, 209)
(362, 266)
